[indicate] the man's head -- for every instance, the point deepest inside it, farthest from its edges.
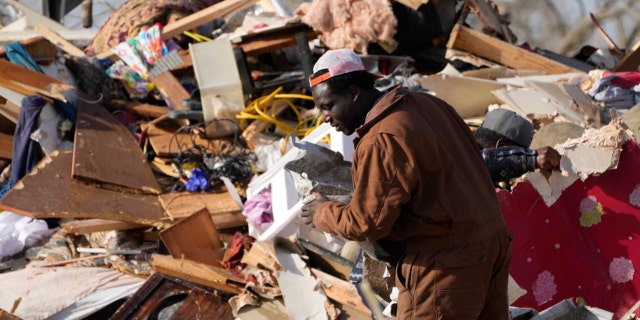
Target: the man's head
(502, 127)
(342, 89)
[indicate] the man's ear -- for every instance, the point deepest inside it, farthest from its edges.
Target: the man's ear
(354, 92)
(501, 142)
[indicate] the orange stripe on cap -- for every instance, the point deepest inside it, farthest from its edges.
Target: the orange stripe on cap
(319, 79)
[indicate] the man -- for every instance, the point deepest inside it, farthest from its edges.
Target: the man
(504, 138)
(421, 192)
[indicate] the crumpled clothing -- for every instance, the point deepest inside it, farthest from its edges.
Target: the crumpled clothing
(604, 90)
(198, 181)
(18, 232)
(234, 254)
(258, 209)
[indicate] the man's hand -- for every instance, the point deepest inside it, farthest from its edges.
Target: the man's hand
(309, 209)
(548, 158)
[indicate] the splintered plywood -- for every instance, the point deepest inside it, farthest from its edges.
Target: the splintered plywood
(106, 152)
(29, 82)
(475, 100)
(195, 272)
(224, 211)
(49, 192)
(195, 238)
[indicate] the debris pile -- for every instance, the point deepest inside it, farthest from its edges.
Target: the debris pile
(157, 166)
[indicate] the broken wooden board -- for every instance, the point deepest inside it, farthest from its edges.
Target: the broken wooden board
(29, 82)
(38, 48)
(9, 110)
(225, 212)
(85, 226)
(631, 60)
(59, 41)
(195, 238)
(504, 53)
(167, 140)
(474, 102)
(262, 256)
(50, 192)
(105, 152)
(175, 299)
(171, 89)
(6, 146)
(258, 43)
(343, 292)
(206, 275)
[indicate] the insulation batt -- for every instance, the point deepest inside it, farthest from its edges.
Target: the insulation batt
(351, 24)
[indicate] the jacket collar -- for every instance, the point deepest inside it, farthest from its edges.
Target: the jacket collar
(386, 102)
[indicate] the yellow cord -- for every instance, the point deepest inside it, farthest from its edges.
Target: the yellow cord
(264, 108)
(196, 36)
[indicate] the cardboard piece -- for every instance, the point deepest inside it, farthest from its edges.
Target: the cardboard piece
(477, 92)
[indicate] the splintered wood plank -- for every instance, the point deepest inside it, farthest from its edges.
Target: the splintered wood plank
(59, 41)
(195, 238)
(85, 226)
(50, 192)
(496, 50)
(171, 89)
(184, 299)
(6, 146)
(630, 61)
(343, 292)
(224, 211)
(106, 152)
(206, 275)
(168, 140)
(29, 82)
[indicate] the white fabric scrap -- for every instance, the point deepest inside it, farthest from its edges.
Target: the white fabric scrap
(18, 232)
(44, 292)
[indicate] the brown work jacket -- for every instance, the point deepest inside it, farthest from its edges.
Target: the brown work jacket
(419, 180)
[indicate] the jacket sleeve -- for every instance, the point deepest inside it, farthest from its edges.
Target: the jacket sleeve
(509, 162)
(382, 185)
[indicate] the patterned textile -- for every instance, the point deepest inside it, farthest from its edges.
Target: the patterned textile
(134, 15)
(585, 245)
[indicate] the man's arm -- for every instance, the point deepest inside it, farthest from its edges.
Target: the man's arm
(510, 162)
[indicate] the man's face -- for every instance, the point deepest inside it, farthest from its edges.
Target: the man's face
(340, 111)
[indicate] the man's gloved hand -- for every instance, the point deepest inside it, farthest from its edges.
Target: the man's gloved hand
(548, 158)
(309, 209)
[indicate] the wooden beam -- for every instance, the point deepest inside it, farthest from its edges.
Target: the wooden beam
(631, 61)
(6, 146)
(268, 41)
(85, 226)
(496, 50)
(59, 41)
(171, 89)
(200, 273)
(224, 211)
(343, 292)
(29, 82)
(194, 20)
